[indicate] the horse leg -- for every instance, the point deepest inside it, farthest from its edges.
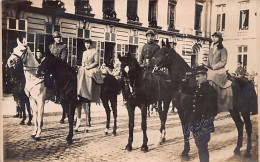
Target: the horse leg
(22, 106)
(144, 128)
(89, 114)
(79, 107)
(248, 124)
(113, 101)
(63, 103)
(40, 107)
(71, 113)
(164, 112)
(148, 112)
(35, 112)
(107, 109)
(86, 110)
(28, 106)
(131, 112)
(186, 134)
(239, 124)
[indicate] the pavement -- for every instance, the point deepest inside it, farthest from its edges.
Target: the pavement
(96, 146)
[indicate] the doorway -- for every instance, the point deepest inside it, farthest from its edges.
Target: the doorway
(109, 54)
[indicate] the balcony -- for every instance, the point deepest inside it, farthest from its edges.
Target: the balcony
(133, 19)
(153, 23)
(110, 14)
(53, 6)
(83, 8)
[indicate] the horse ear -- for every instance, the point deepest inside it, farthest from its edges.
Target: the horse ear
(18, 42)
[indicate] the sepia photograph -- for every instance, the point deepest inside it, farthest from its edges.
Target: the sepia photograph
(130, 80)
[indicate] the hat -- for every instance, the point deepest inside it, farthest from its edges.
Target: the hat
(150, 31)
(56, 34)
(217, 33)
(88, 40)
(200, 70)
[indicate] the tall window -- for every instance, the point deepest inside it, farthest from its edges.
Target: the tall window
(152, 16)
(221, 18)
(242, 55)
(171, 14)
(244, 19)
(132, 10)
(82, 6)
(198, 10)
(108, 8)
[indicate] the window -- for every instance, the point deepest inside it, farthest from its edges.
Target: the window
(242, 55)
(132, 10)
(82, 6)
(83, 33)
(152, 16)
(221, 18)
(108, 8)
(198, 10)
(16, 24)
(171, 14)
(50, 28)
(244, 19)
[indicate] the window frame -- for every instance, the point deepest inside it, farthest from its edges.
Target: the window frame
(243, 54)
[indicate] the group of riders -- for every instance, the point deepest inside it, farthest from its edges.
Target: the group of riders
(212, 94)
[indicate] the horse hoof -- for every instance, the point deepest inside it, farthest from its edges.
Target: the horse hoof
(69, 141)
(29, 123)
(22, 122)
(144, 148)
(37, 138)
(33, 136)
(247, 154)
(76, 130)
(129, 148)
(114, 133)
(62, 121)
(106, 133)
(86, 131)
(185, 154)
(163, 140)
(237, 151)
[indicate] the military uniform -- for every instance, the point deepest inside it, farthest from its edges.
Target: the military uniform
(148, 51)
(59, 50)
(202, 112)
(240, 71)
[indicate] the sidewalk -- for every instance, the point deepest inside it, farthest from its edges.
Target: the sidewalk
(8, 107)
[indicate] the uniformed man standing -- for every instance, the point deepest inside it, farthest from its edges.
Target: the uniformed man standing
(58, 48)
(240, 71)
(202, 111)
(149, 49)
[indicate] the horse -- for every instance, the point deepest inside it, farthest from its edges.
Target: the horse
(109, 91)
(65, 80)
(142, 88)
(35, 89)
(17, 84)
(242, 96)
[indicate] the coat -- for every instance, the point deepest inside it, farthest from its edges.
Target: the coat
(216, 62)
(89, 78)
(147, 53)
(59, 50)
(204, 105)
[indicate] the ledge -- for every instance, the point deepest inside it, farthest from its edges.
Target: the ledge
(173, 29)
(84, 13)
(134, 22)
(111, 19)
(153, 27)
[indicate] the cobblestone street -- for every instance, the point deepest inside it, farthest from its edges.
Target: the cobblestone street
(96, 146)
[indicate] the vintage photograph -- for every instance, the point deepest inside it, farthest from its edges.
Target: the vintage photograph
(130, 80)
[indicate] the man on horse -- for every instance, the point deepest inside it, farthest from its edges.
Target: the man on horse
(58, 48)
(149, 49)
(203, 110)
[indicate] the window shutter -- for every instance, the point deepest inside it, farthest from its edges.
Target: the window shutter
(107, 36)
(218, 22)
(113, 37)
(223, 21)
(131, 40)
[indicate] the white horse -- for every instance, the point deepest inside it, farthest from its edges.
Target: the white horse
(35, 89)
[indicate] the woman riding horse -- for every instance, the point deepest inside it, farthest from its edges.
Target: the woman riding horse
(89, 81)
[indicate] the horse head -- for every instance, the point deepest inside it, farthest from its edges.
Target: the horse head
(130, 66)
(161, 58)
(23, 54)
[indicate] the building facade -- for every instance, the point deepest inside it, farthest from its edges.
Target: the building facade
(238, 21)
(116, 27)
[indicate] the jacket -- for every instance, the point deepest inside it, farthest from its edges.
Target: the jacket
(59, 50)
(148, 52)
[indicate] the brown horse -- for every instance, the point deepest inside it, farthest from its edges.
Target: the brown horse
(142, 88)
(244, 98)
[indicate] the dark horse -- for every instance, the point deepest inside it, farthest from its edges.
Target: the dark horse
(142, 88)
(65, 78)
(244, 98)
(17, 84)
